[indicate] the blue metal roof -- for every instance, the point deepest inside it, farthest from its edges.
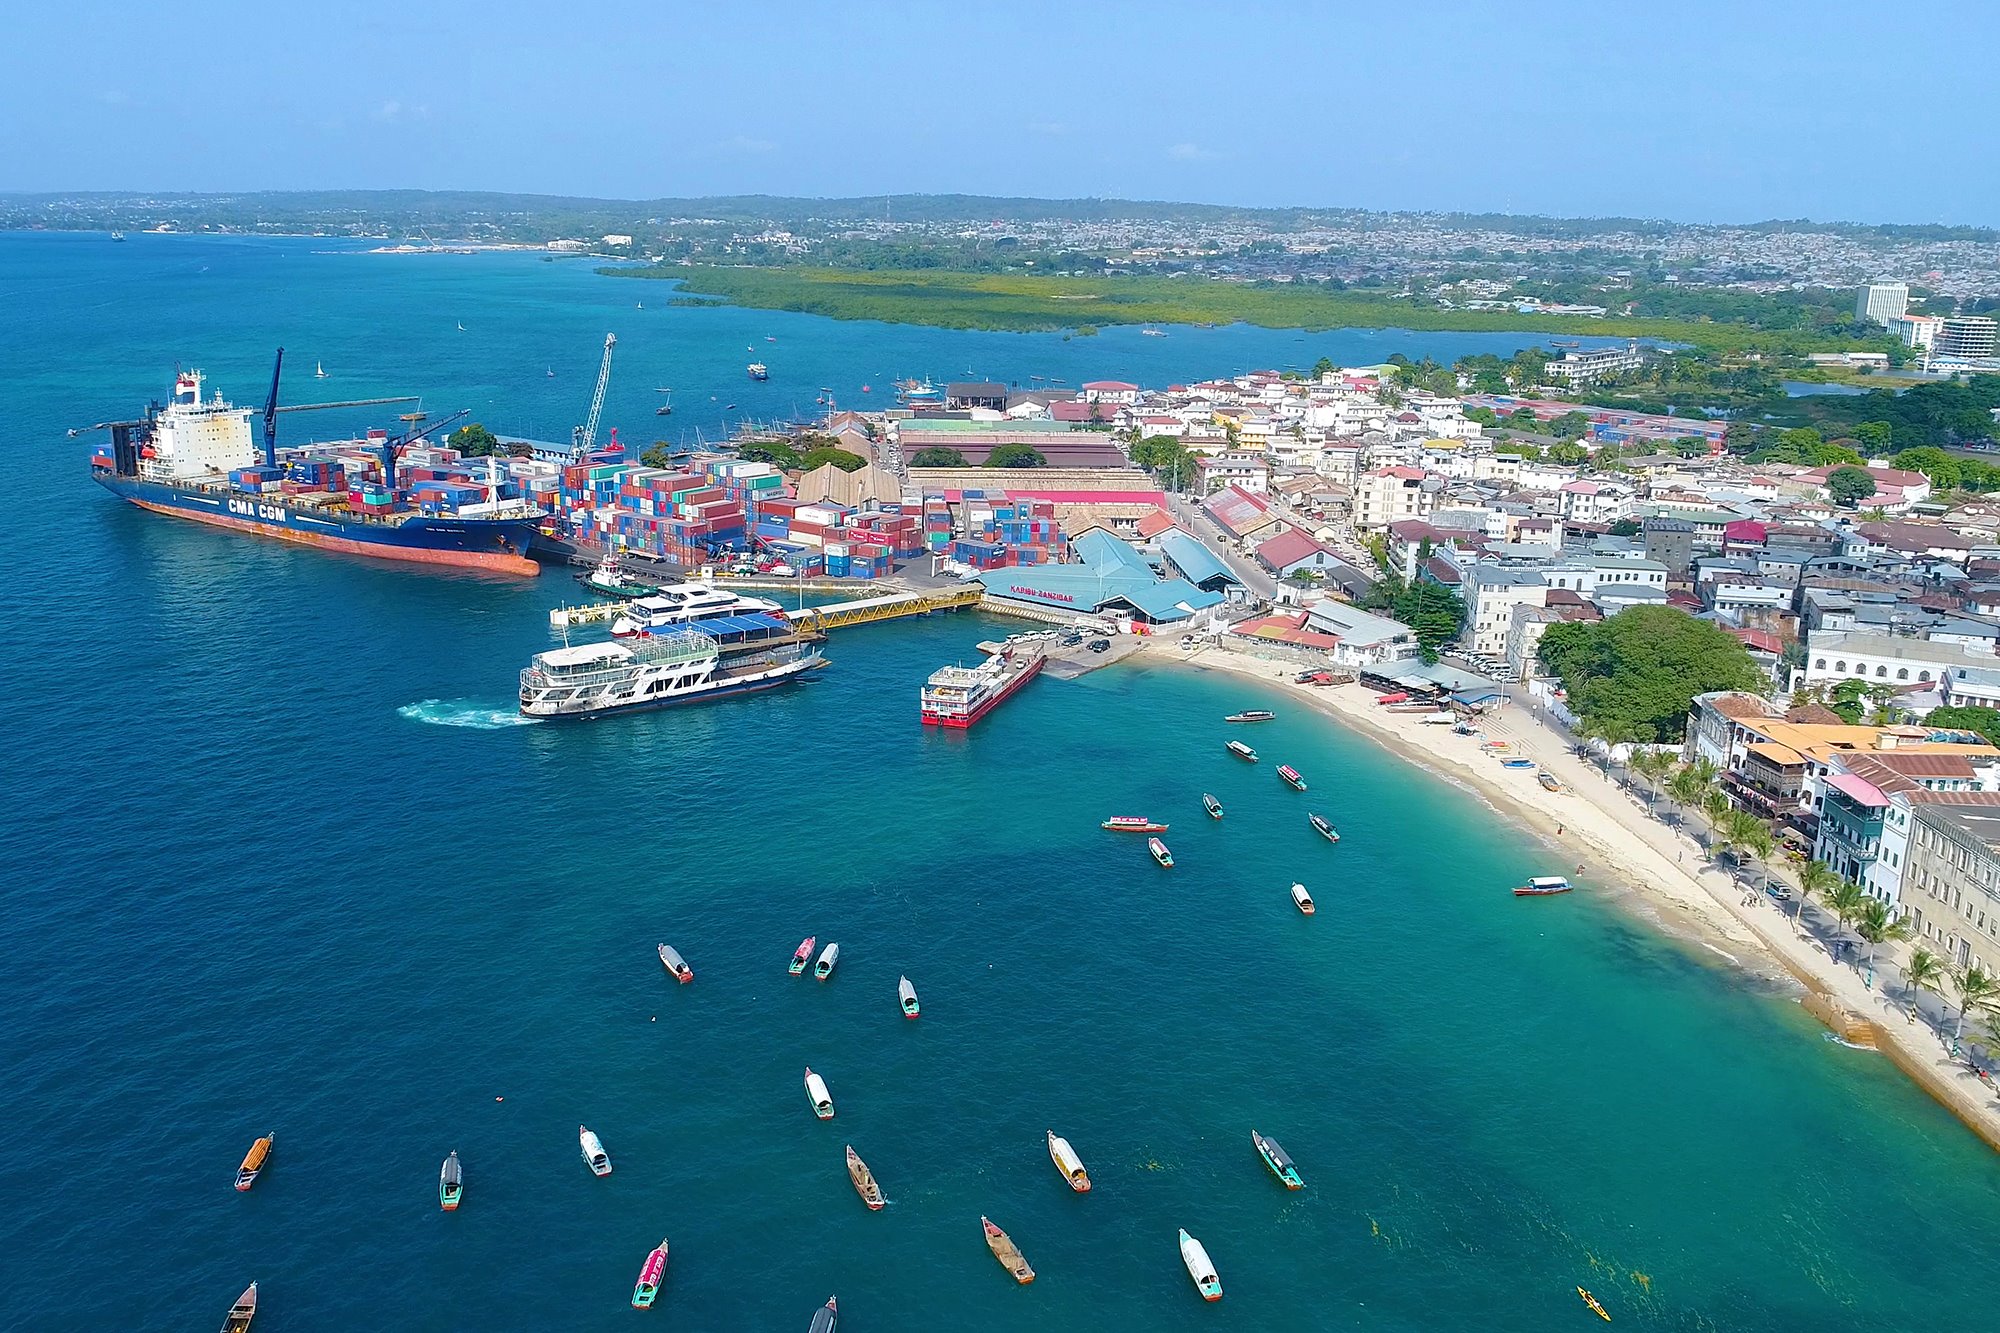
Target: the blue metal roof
(726, 627)
(1189, 555)
(1110, 570)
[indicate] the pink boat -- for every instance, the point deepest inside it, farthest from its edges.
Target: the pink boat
(650, 1277)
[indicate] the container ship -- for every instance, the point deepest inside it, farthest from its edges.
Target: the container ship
(197, 458)
(960, 696)
(729, 655)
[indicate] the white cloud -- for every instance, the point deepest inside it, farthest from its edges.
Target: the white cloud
(743, 143)
(392, 110)
(1052, 128)
(1190, 152)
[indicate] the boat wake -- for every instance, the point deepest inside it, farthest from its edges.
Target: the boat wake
(464, 713)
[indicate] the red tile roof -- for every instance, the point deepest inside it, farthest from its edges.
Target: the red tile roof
(1288, 548)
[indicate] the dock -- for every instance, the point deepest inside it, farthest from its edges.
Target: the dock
(834, 615)
(1067, 663)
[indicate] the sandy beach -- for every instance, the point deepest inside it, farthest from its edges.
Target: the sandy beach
(1658, 871)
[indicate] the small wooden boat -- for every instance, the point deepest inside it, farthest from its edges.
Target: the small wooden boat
(1302, 898)
(803, 958)
(822, 1100)
(647, 1289)
(1548, 781)
(451, 1184)
(676, 964)
(1280, 1164)
(906, 995)
(1160, 852)
(827, 1317)
(1323, 828)
(241, 1313)
(1200, 1268)
(1132, 824)
(1241, 751)
(1008, 1253)
(594, 1156)
(253, 1161)
(1291, 777)
(1250, 715)
(864, 1180)
(1517, 763)
(1543, 886)
(1596, 1308)
(828, 957)
(1068, 1163)
(1213, 806)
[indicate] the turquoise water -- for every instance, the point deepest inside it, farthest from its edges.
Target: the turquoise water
(282, 858)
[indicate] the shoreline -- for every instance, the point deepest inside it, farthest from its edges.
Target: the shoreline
(1657, 871)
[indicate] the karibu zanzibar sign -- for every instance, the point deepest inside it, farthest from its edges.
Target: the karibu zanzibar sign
(1037, 592)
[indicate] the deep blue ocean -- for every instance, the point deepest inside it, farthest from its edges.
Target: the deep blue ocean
(280, 857)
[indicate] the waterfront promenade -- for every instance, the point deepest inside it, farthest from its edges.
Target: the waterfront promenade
(1662, 871)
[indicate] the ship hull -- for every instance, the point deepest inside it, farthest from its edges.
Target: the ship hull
(500, 545)
(992, 701)
(751, 686)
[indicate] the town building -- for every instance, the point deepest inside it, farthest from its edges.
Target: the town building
(1588, 365)
(1951, 892)
(1965, 338)
(1491, 593)
(1880, 302)
(1386, 495)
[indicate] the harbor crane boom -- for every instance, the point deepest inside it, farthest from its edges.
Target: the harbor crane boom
(586, 434)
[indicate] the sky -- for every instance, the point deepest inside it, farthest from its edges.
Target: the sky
(1695, 110)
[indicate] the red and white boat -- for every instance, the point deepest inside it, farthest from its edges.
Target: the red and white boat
(1291, 776)
(647, 1289)
(803, 958)
(960, 696)
(1543, 886)
(1132, 824)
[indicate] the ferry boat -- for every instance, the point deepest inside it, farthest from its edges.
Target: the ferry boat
(1543, 886)
(816, 1093)
(864, 1181)
(1160, 853)
(1303, 899)
(647, 1289)
(241, 1313)
(1323, 828)
(1200, 1268)
(1291, 777)
(827, 1318)
(1007, 1252)
(758, 370)
(193, 458)
(802, 956)
(253, 1162)
(672, 605)
(960, 696)
(594, 1155)
(828, 958)
(1213, 806)
(671, 960)
(1276, 1158)
(1250, 715)
(906, 995)
(1068, 1163)
(451, 1184)
(1548, 781)
(612, 581)
(1132, 824)
(686, 666)
(1242, 751)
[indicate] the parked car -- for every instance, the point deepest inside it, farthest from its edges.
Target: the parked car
(1100, 645)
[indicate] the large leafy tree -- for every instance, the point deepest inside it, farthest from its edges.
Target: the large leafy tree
(474, 441)
(936, 456)
(1985, 721)
(1432, 610)
(1016, 455)
(840, 458)
(1849, 485)
(1630, 677)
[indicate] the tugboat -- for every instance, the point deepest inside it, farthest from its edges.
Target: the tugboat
(650, 1277)
(1291, 777)
(803, 957)
(612, 581)
(1200, 1268)
(1303, 899)
(906, 995)
(828, 957)
(1008, 1253)
(1323, 828)
(253, 1162)
(451, 1184)
(1280, 1164)
(1160, 853)
(822, 1100)
(1213, 806)
(1132, 824)
(1068, 1163)
(241, 1313)
(1242, 751)
(676, 964)
(864, 1181)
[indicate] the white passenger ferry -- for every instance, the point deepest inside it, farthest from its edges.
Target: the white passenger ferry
(686, 604)
(659, 671)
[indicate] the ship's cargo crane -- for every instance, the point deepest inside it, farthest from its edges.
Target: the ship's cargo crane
(585, 435)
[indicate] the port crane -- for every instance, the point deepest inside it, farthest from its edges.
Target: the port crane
(586, 435)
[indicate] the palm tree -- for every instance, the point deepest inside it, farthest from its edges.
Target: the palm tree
(1650, 765)
(1687, 786)
(1877, 925)
(1846, 900)
(1747, 833)
(1977, 989)
(1815, 879)
(1924, 972)
(1715, 804)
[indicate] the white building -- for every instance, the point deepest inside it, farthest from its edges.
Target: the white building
(1587, 365)
(1881, 659)
(1917, 331)
(1970, 337)
(1880, 302)
(1595, 501)
(1386, 495)
(1491, 593)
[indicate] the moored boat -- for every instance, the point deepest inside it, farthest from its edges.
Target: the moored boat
(864, 1180)
(1213, 806)
(816, 1093)
(1132, 824)
(1517, 763)
(1007, 1252)
(828, 958)
(1241, 751)
(1323, 828)
(1595, 1307)
(1291, 777)
(1159, 852)
(956, 696)
(612, 581)
(1542, 886)
(676, 964)
(647, 1289)
(906, 995)
(1068, 1163)
(1302, 898)
(1200, 1268)
(451, 1183)
(1276, 1158)
(827, 1318)
(594, 1156)
(1548, 781)
(803, 957)
(241, 1313)
(1251, 715)
(253, 1162)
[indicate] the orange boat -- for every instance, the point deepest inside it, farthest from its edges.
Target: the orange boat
(253, 1162)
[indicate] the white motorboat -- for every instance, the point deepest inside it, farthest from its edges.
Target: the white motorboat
(594, 1155)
